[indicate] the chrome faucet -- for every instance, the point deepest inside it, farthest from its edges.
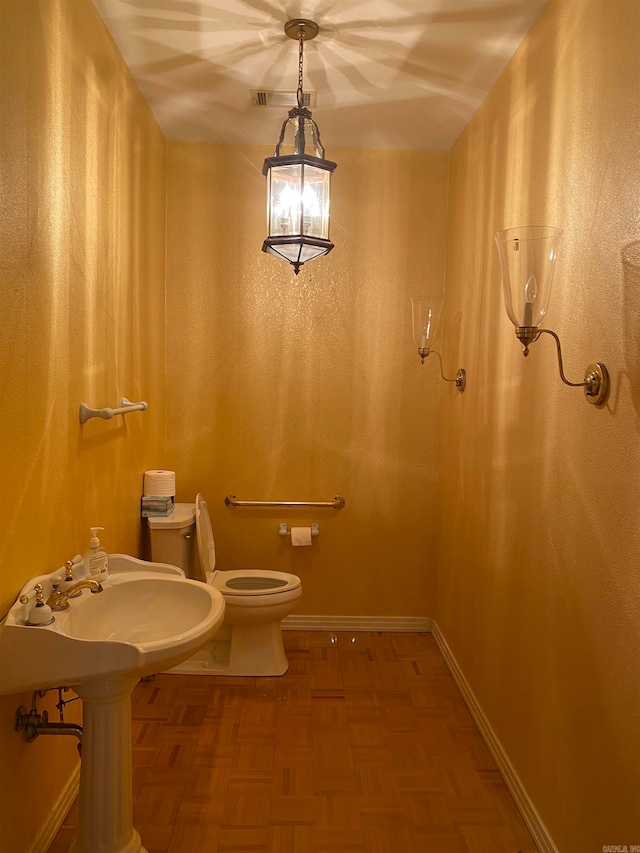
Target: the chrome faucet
(60, 600)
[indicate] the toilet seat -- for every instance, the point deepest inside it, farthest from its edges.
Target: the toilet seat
(237, 584)
(245, 583)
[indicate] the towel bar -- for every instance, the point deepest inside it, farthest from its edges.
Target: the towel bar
(86, 412)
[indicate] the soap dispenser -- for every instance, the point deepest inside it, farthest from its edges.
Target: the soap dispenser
(96, 561)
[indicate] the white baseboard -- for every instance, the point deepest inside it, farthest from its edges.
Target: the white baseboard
(413, 624)
(525, 806)
(58, 813)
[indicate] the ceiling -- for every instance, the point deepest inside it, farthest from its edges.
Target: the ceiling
(388, 73)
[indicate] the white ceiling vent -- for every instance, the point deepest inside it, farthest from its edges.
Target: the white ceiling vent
(272, 98)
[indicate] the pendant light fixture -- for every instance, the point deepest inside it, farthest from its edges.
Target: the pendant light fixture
(298, 184)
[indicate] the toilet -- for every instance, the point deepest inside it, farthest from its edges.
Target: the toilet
(256, 600)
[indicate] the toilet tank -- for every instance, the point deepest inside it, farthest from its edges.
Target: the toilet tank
(172, 537)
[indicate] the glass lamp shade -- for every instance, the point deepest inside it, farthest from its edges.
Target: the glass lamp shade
(527, 262)
(298, 207)
(425, 315)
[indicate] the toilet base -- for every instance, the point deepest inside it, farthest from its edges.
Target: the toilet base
(250, 650)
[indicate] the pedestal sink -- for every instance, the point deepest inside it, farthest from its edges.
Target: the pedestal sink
(147, 618)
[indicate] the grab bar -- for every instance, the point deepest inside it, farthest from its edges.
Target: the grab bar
(336, 503)
(86, 412)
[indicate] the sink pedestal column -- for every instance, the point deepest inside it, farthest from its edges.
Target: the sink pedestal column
(105, 822)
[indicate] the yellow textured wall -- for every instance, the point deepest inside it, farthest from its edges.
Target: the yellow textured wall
(294, 388)
(285, 388)
(538, 583)
(82, 320)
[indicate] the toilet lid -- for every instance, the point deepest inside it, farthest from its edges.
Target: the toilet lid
(206, 546)
(247, 582)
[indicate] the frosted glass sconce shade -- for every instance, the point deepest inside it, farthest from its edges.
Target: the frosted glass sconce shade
(425, 315)
(425, 320)
(527, 261)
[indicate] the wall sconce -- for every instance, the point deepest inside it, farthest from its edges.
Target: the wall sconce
(298, 184)
(527, 261)
(425, 315)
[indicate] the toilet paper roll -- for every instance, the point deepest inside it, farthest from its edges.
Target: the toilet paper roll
(157, 483)
(300, 536)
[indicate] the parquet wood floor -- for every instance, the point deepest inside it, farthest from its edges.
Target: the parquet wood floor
(364, 746)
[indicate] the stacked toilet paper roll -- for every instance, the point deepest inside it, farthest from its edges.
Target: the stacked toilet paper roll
(160, 483)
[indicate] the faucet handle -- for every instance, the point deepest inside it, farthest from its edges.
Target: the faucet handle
(39, 592)
(40, 613)
(69, 579)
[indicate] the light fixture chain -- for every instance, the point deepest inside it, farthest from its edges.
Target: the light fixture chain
(300, 60)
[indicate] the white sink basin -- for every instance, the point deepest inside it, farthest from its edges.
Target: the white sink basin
(147, 619)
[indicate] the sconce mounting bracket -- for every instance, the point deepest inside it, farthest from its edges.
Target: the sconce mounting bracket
(461, 379)
(596, 384)
(596, 381)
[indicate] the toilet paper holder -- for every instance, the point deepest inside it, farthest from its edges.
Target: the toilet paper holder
(285, 530)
